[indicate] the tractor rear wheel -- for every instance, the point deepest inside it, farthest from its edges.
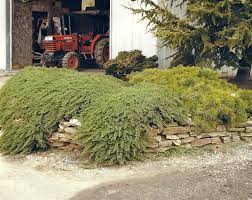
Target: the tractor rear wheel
(71, 60)
(101, 52)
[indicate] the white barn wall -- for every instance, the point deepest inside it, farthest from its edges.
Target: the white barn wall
(3, 49)
(164, 52)
(127, 33)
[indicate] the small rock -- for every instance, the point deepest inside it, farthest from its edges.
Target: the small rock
(247, 139)
(74, 123)
(194, 134)
(249, 134)
(152, 145)
(187, 140)
(152, 132)
(225, 139)
(57, 144)
(216, 140)
(177, 130)
(70, 130)
(75, 146)
(201, 142)
(183, 136)
(248, 130)
(211, 134)
(235, 138)
(249, 123)
(54, 137)
(66, 148)
(221, 128)
(176, 142)
(158, 138)
(61, 129)
(165, 143)
(172, 137)
(65, 137)
(236, 129)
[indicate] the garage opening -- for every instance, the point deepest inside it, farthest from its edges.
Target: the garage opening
(72, 34)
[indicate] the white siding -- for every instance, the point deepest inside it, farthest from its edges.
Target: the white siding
(3, 49)
(165, 52)
(127, 33)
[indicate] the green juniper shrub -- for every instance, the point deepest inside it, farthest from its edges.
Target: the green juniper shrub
(129, 61)
(246, 95)
(35, 100)
(210, 100)
(114, 128)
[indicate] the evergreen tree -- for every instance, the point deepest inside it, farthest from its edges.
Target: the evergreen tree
(212, 32)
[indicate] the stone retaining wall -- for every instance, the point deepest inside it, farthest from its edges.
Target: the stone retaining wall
(64, 137)
(162, 139)
(185, 136)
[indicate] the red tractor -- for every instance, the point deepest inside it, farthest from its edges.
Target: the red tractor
(69, 50)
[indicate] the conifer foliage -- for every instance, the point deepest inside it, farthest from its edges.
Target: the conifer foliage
(216, 32)
(211, 101)
(34, 101)
(114, 128)
(114, 116)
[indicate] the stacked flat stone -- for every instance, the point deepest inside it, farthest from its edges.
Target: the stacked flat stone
(175, 135)
(163, 139)
(64, 137)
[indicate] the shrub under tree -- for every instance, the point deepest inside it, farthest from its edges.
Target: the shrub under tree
(129, 61)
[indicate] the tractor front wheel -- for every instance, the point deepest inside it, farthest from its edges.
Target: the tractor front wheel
(101, 52)
(71, 60)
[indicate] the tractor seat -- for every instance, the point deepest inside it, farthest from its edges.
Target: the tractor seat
(87, 37)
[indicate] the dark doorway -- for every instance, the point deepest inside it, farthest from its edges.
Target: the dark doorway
(39, 31)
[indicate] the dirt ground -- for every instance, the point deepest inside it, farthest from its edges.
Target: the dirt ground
(56, 175)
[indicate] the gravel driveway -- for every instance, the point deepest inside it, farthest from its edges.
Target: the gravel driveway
(227, 182)
(3, 80)
(58, 176)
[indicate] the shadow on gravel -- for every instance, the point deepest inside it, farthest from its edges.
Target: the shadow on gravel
(206, 183)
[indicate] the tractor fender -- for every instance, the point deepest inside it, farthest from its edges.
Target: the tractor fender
(96, 39)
